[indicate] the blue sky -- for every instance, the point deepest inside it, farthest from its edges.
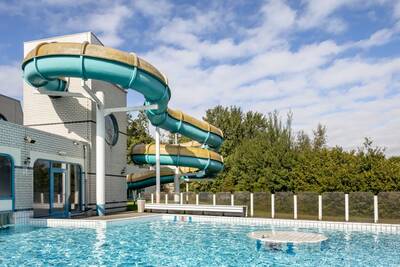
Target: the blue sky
(330, 62)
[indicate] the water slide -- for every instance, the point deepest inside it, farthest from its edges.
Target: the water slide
(47, 65)
(197, 161)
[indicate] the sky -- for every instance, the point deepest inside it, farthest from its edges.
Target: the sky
(334, 62)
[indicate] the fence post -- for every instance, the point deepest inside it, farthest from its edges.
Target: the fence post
(232, 199)
(251, 205)
(272, 206)
(295, 207)
(346, 207)
(197, 199)
(214, 200)
(152, 198)
(181, 200)
(376, 216)
(320, 207)
(166, 198)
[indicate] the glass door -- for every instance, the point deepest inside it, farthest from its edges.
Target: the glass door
(58, 193)
(41, 188)
(57, 189)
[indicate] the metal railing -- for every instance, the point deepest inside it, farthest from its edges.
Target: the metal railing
(329, 206)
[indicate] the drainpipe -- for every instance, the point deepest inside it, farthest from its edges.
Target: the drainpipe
(85, 177)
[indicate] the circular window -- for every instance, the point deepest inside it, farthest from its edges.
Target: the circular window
(112, 130)
(2, 118)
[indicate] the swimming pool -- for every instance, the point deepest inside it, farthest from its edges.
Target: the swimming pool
(164, 242)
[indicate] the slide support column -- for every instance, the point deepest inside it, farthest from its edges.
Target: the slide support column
(176, 178)
(346, 207)
(320, 207)
(376, 211)
(158, 183)
(100, 156)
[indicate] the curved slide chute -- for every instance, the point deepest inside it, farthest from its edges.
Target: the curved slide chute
(148, 178)
(48, 63)
(194, 158)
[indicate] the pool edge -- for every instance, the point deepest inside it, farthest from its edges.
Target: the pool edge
(326, 225)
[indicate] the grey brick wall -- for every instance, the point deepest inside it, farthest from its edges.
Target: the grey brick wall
(48, 145)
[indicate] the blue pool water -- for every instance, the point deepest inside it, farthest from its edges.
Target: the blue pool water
(167, 243)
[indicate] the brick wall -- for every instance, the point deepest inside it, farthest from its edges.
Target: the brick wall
(46, 146)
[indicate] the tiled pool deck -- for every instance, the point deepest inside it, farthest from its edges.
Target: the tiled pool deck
(121, 218)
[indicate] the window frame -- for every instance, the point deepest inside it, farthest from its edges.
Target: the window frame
(12, 198)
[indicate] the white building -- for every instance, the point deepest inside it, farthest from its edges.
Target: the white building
(50, 161)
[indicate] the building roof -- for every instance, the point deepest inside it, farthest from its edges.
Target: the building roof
(10, 98)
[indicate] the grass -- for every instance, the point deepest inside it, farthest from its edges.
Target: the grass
(131, 206)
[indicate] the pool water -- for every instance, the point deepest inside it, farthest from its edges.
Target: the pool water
(159, 242)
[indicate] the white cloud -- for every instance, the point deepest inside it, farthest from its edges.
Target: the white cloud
(65, 3)
(163, 8)
(336, 26)
(317, 12)
(396, 9)
(104, 17)
(107, 23)
(285, 80)
(379, 37)
(351, 71)
(278, 16)
(211, 56)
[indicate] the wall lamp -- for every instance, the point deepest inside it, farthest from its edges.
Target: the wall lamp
(29, 140)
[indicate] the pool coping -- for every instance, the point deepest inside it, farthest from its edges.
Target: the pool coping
(326, 225)
(86, 223)
(322, 225)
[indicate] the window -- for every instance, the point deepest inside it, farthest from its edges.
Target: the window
(75, 187)
(112, 130)
(2, 118)
(6, 171)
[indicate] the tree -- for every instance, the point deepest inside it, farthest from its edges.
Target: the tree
(262, 153)
(138, 131)
(235, 125)
(319, 137)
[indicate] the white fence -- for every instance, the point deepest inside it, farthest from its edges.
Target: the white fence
(329, 206)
